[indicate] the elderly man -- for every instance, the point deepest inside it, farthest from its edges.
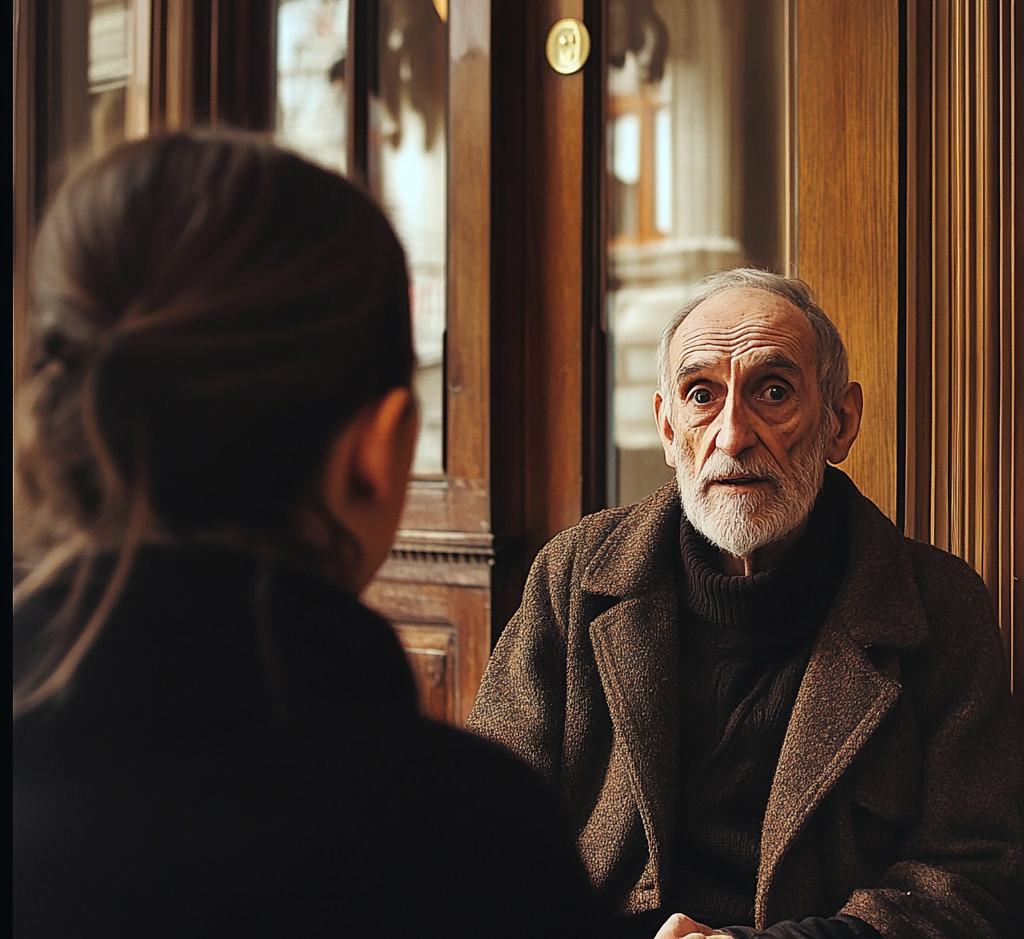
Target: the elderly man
(759, 702)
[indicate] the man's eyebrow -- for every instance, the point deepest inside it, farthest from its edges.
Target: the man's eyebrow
(781, 363)
(691, 368)
(774, 360)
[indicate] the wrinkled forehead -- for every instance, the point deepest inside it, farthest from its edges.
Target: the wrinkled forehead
(747, 324)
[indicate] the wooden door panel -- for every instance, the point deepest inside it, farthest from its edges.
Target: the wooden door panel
(431, 653)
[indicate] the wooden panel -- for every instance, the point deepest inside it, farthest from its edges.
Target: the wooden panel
(430, 652)
(434, 590)
(964, 434)
(847, 224)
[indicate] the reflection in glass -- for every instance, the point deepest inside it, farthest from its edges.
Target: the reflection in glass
(312, 39)
(694, 111)
(406, 155)
(407, 168)
(92, 87)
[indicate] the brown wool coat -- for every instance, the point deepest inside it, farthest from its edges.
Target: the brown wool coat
(896, 797)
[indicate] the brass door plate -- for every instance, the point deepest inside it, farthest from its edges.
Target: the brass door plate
(568, 46)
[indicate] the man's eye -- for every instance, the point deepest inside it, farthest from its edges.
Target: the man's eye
(700, 396)
(775, 393)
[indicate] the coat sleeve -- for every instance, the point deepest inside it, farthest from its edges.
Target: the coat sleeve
(521, 700)
(960, 869)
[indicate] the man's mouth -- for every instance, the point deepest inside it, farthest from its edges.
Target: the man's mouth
(740, 482)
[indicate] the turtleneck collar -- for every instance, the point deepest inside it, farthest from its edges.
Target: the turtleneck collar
(774, 607)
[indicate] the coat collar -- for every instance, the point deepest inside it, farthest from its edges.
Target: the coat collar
(877, 604)
(878, 601)
(842, 699)
(642, 551)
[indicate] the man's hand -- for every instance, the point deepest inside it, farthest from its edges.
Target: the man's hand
(680, 926)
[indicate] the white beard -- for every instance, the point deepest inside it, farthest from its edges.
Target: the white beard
(741, 523)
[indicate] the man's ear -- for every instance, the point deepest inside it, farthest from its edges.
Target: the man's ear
(848, 415)
(666, 432)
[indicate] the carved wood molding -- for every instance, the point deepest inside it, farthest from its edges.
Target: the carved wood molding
(963, 344)
(456, 558)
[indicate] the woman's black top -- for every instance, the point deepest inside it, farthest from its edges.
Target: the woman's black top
(240, 753)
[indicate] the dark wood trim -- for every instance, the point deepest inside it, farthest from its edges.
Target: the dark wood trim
(212, 64)
(595, 404)
(360, 63)
(508, 307)
(242, 64)
(467, 364)
(25, 168)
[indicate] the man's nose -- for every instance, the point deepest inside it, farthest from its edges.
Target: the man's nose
(736, 431)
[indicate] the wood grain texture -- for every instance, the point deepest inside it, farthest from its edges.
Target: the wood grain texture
(469, 243)
(847, 217)
(554, 289)
(965, 449)
(424, 610)
(1010, 594)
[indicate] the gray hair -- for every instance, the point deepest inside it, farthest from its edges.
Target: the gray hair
(833, 362)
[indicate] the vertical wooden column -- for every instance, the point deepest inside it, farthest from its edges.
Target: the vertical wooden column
(964, 453)
(212, 64)
(847, 209)
(553, 456)
(137, 95)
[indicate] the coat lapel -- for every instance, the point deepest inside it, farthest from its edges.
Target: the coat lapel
(635, 642)
(842, 700)
(843, 697)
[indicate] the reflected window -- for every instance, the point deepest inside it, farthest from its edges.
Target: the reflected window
(312, 41)
(693, 181)
(407, 165)
(95, 94)
(406, 158)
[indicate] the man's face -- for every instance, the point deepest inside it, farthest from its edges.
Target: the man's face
(744, 428)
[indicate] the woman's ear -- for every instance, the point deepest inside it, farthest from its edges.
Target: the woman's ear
(384, 447)
(366, 474)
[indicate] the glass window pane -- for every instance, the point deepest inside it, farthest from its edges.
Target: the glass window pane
(694, 185)
(312, 39)
(90, 102)
(408, 172)
(406, 156)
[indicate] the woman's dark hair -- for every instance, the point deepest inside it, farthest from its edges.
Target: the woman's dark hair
(207, 311)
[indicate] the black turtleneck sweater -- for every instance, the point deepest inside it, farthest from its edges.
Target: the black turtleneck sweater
(744, 646)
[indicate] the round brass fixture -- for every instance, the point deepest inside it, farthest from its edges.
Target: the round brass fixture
(568, 46)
